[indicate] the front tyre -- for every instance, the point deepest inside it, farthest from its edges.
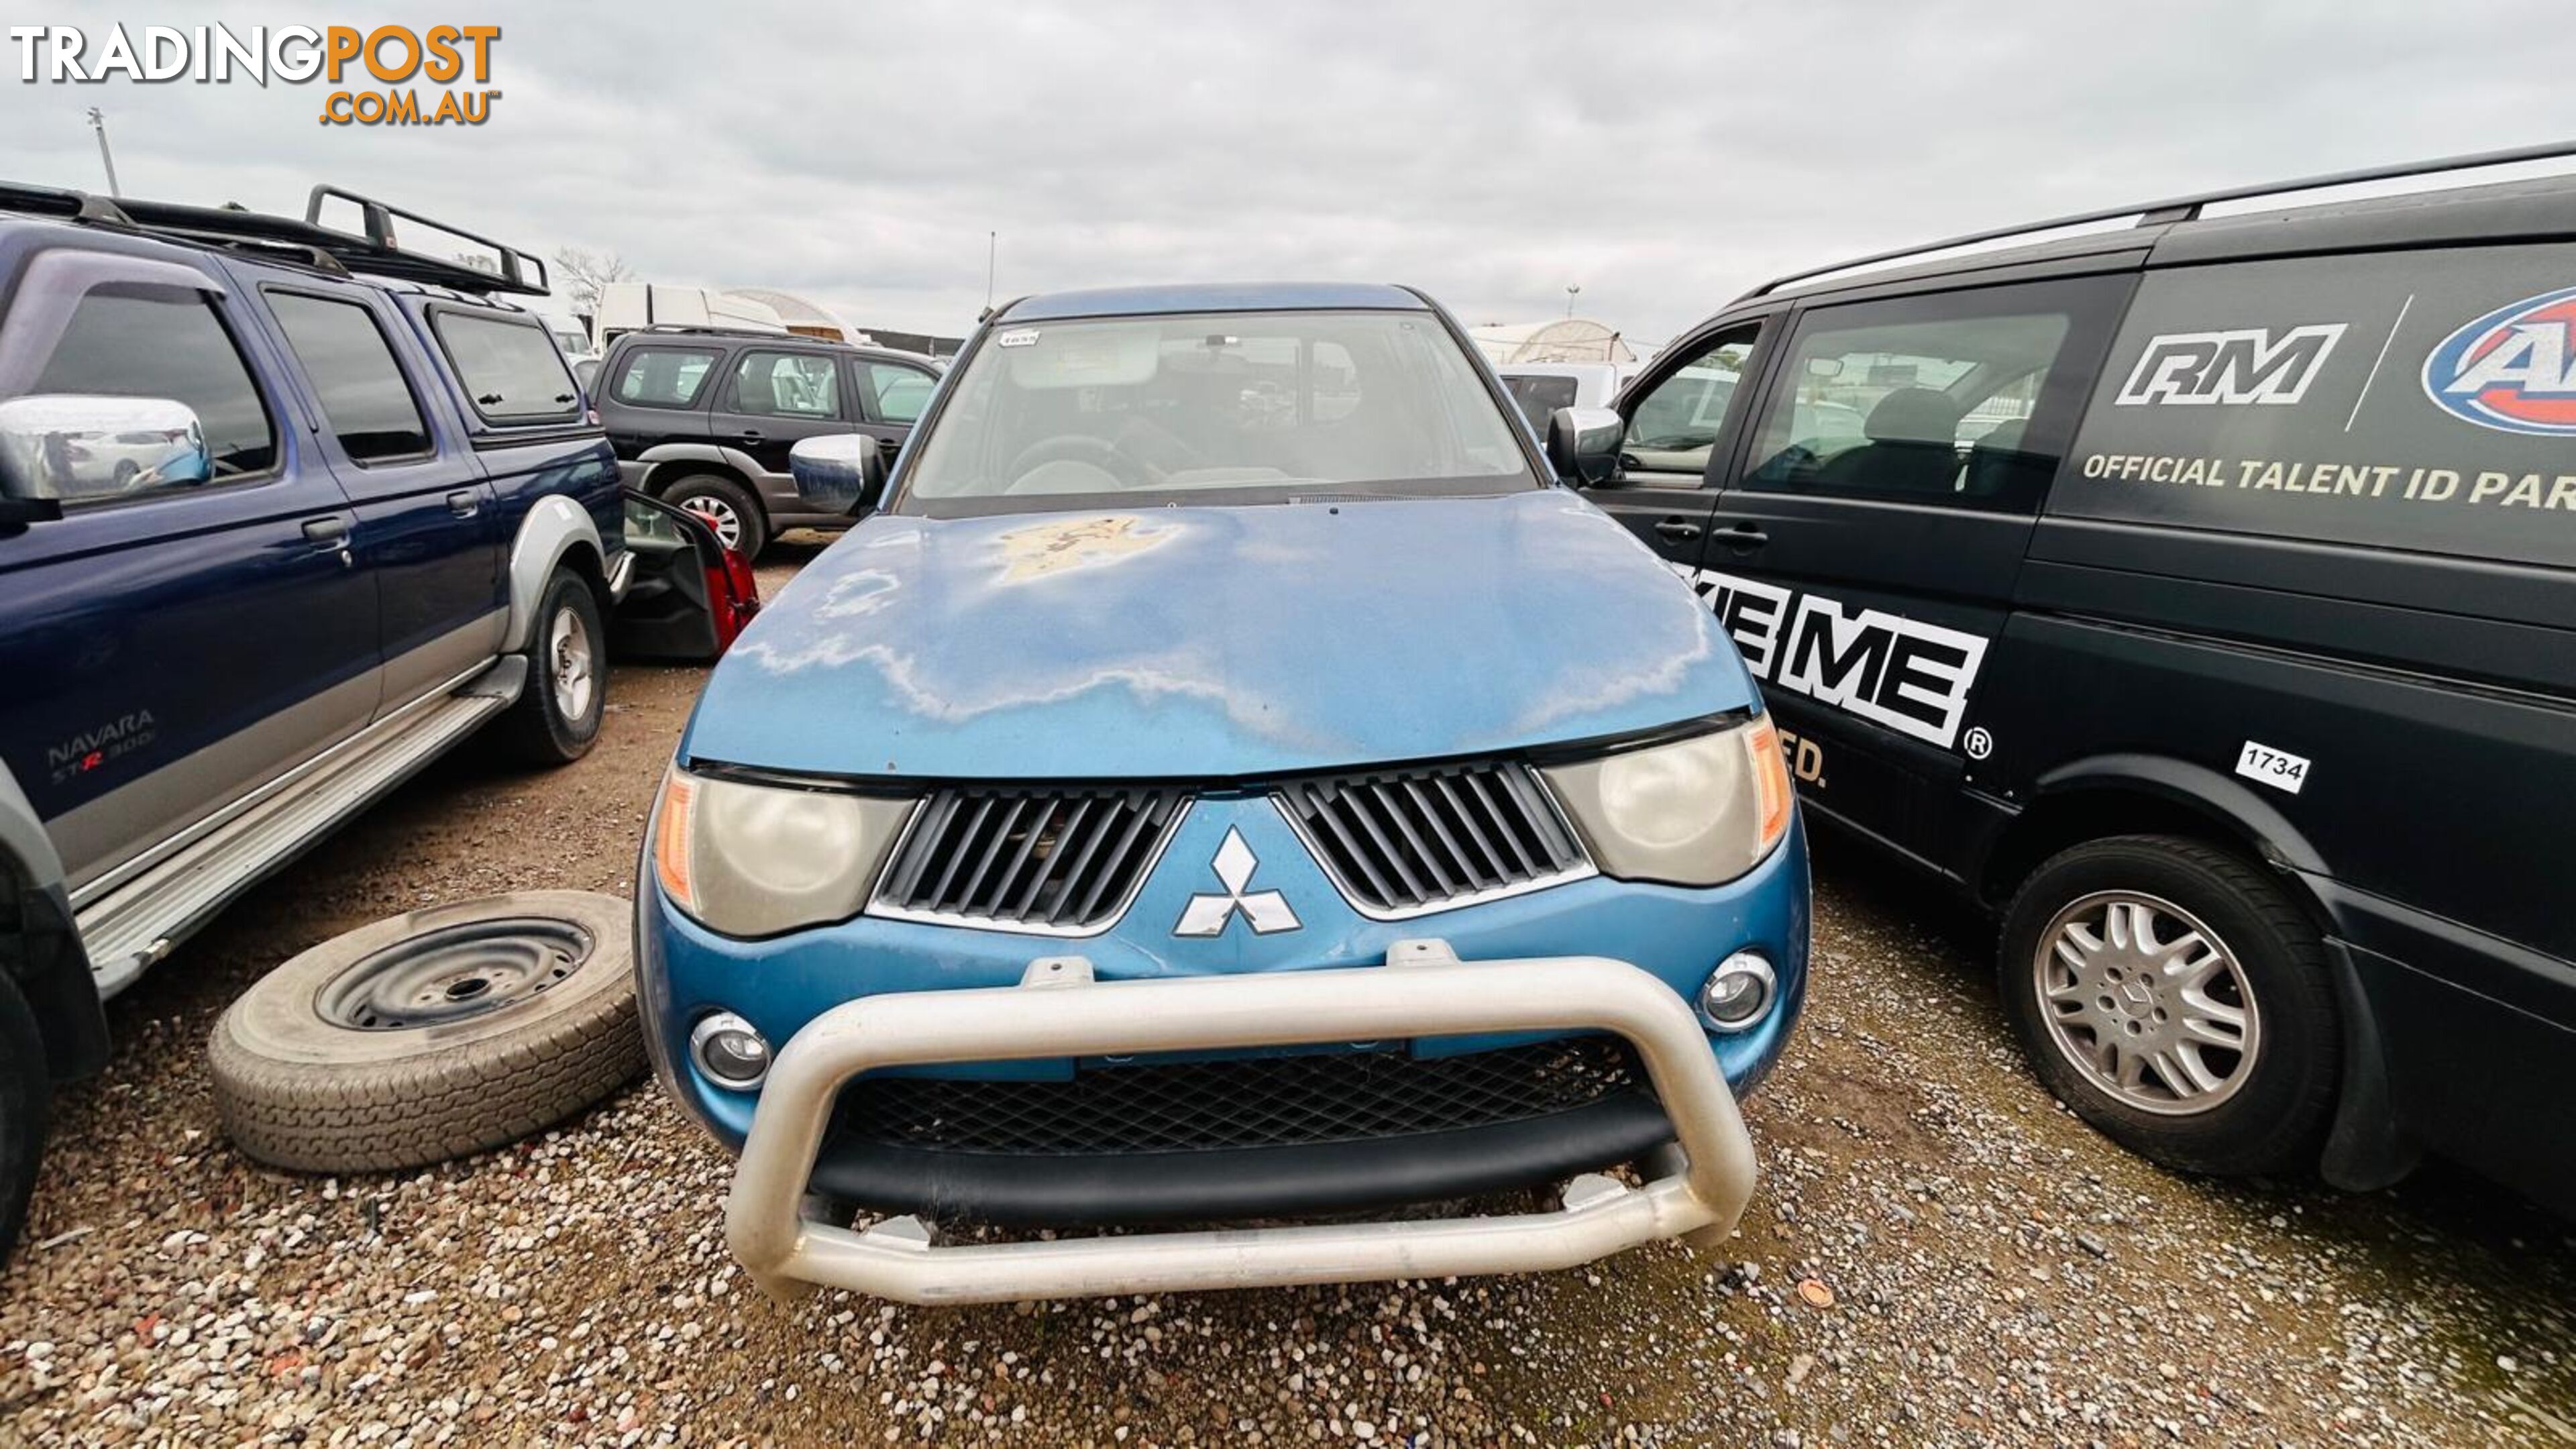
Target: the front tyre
(557, 715)
(2175, 997)
(26, 1101)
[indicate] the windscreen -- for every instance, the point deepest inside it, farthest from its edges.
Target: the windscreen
(1221, 407)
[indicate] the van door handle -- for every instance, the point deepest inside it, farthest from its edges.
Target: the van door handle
(463, 503)
(1743, 537)
(752, 435)
(329, 532)
(1679, 530)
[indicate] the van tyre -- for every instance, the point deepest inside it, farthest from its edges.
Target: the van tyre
(432, 1035)
(725, 507)
(2176, 997)
(557, 715)
(26, 1104)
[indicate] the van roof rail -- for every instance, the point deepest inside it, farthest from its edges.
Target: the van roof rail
(2187, 208)
(306, 242)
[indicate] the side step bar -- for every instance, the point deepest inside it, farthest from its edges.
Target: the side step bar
(140, 921)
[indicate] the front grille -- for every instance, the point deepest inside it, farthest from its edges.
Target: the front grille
(1044, 859)
(1403, 842)
(1248, 1102)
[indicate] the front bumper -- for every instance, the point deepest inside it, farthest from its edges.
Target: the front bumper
(1422, 991)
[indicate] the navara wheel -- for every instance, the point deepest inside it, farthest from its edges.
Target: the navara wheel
(726, 508)
(432, 1035)
(2175, 997)
(558, 714)
(26, 1098)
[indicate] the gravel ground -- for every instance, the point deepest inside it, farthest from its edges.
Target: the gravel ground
(1938, 1253)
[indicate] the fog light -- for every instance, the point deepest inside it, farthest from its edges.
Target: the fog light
(730, 1050)
(1738, 992)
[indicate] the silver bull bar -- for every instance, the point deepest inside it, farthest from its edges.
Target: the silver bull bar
(1059, 1010)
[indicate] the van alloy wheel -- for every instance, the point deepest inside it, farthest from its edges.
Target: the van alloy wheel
(2147, 1002)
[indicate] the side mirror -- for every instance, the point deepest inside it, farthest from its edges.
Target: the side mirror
(59, 446)
(838, 473)
(1583, 444)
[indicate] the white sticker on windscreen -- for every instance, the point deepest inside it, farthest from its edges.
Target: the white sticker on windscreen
(1024, 337)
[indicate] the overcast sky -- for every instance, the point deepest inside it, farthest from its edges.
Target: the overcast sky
(1491, 152)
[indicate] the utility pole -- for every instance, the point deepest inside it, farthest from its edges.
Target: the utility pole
(1570, 294)
(107, 158)
(992, 248)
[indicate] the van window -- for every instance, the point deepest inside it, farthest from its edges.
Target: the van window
(2420, 400)
(663, 377)
(345, 356)
(510, 368)
(1928, 398)
(1675, 427)
(787, 385)
(159, 344)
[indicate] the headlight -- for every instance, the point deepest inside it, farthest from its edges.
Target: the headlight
(1698, 812)
(755, 860)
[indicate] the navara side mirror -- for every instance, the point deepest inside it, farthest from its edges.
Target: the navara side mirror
(838, 473)
(58, 447)
(1583, 444)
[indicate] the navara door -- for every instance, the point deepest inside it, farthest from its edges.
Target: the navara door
(1864, 551)
(425, 517)
(172, 642)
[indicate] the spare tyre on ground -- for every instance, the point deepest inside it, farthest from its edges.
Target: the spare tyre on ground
(432, 1035)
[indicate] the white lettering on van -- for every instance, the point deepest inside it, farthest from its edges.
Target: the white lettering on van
(1900, 673)
(2245, 366)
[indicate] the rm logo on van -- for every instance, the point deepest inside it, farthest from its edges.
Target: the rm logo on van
(2247, 366)
(1901, 673)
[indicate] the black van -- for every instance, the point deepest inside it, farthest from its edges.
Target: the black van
(2200, 596)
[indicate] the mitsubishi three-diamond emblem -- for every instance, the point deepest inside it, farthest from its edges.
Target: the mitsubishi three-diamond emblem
(1206, 915)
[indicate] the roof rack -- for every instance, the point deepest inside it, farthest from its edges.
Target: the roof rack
(306, 242)
(2188, 208)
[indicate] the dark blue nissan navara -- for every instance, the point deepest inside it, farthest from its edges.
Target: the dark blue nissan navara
(285, 512)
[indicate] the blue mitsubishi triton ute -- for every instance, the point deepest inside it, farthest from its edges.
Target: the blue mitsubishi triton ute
(1223, 778)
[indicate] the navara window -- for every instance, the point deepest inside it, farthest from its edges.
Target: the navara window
(160, 344)
(1219, 407)
(511, 369)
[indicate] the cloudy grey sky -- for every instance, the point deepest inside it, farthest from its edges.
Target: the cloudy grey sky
(1492, 151)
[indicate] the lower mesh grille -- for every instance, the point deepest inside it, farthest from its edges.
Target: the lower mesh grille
(1253, 1102)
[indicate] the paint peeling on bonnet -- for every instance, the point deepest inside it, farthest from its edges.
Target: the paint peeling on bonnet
(1215, 641)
